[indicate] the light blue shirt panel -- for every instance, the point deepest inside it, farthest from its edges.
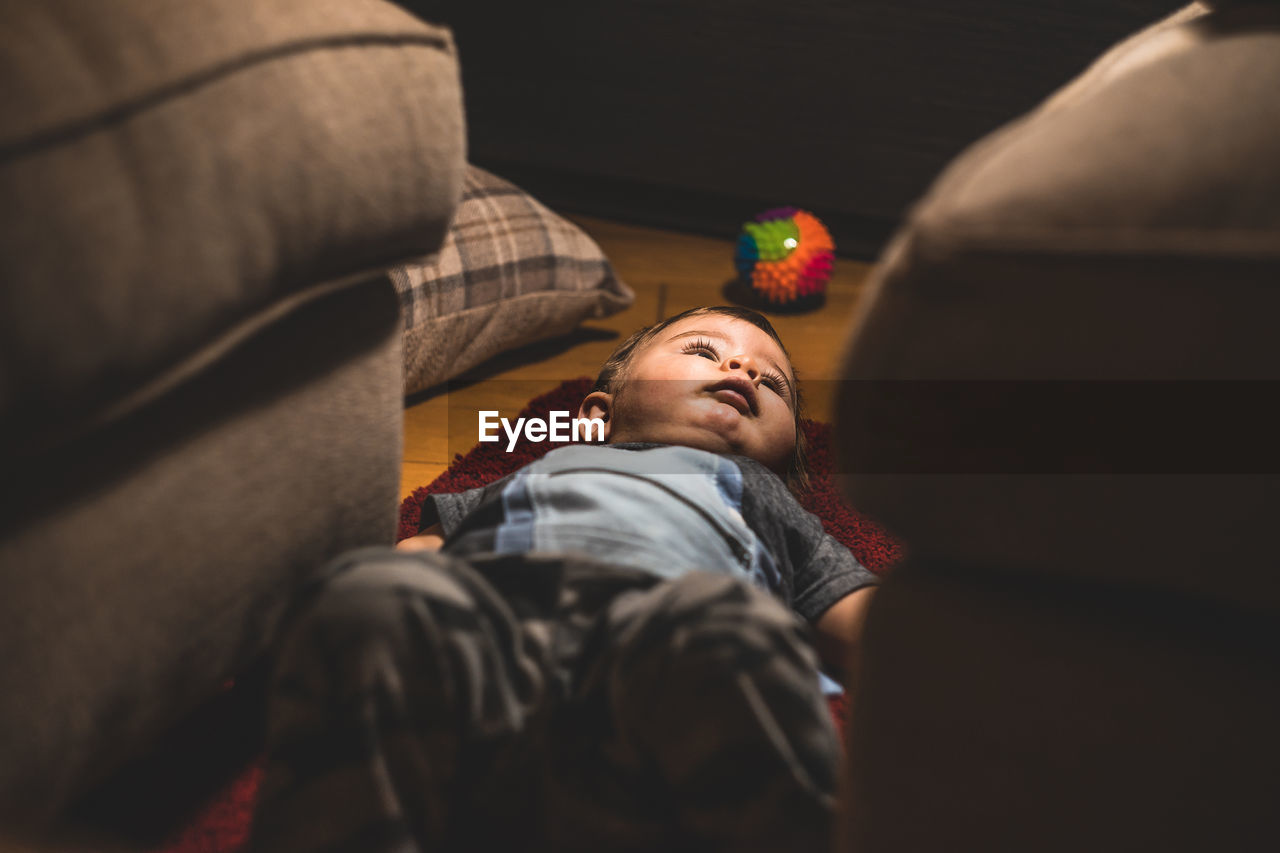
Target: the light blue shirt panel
(667, 510)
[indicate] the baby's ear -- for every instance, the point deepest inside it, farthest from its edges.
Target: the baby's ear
(598, 404)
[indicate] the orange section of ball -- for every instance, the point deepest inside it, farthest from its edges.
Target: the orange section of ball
(804, 271)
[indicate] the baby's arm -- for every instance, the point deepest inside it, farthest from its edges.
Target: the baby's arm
(428, 540)
(442, 514)
(839, 631)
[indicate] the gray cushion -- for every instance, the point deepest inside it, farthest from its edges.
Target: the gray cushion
(145, 566)
(1078, 660)
(173, 171)
(200, 362)
(510, 272)
(1128, 230)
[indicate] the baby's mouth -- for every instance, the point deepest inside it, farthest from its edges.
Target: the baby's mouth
(738, 393)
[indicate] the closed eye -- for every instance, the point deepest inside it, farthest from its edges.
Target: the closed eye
(701, 347)
(778, 384)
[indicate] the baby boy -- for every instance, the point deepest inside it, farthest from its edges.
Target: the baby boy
(618, 647)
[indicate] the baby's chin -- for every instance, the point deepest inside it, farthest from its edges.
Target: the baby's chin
(702, 438)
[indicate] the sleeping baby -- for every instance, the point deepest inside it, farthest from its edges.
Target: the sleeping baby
(621, 646)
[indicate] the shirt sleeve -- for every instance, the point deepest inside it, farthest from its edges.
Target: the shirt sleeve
(830, 573)
(822, 570)
(448, 509)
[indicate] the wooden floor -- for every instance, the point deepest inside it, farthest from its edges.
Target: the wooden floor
(669, 272)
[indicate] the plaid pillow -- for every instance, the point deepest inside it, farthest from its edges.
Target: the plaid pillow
(510, 272)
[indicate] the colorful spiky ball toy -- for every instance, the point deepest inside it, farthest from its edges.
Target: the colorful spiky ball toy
(786, 255)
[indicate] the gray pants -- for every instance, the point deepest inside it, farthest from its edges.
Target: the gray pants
(527, 703)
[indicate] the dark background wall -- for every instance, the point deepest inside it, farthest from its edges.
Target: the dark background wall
(698, 114)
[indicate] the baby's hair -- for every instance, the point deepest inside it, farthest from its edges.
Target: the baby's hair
(613, 373)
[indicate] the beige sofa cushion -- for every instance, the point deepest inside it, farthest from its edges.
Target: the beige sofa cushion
(174, 172)
(200, 360)
(1129, 231)
(1080, 651)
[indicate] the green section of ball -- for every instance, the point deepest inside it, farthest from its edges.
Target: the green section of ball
(775, 239)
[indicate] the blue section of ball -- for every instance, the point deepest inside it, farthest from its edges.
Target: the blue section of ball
(746, 255)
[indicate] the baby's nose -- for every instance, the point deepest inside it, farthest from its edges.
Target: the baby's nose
(744, 363)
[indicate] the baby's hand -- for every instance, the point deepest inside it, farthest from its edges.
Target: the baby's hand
(428, 540)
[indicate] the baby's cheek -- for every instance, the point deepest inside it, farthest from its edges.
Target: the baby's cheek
(782, 437)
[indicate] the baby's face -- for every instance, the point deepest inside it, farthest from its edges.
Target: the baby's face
(711, 382)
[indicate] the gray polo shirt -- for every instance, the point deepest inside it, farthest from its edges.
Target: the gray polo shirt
(660, 508)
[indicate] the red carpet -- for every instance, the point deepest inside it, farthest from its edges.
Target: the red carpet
(223, 826)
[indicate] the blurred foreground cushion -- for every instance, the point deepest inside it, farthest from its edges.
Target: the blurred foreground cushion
(197, 336)
(1060, 362)
(1059, 393)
